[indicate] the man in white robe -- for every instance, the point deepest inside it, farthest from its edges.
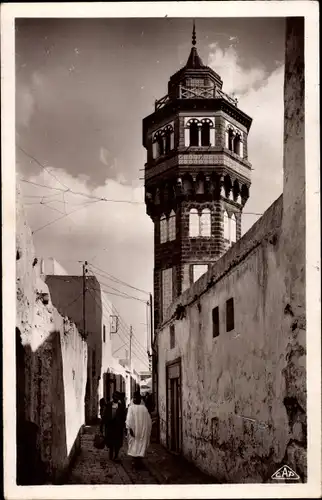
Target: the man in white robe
(138, 424)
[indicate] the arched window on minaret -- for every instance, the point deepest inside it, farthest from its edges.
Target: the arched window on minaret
(205, 222)
(169, 139)
(194, 134)
(226, 226)
(163, 229)
(193, 223)
(160, 144)
(237, 144)
(233, 229)
(230, 139)
(172, 226)
(205, 133)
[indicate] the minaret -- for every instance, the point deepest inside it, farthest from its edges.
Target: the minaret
(197, 177)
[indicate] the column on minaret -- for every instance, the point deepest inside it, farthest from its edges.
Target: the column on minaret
(172, 140)
(199, 135)
(241, 145)
(226, 138)
(218, 228)
(238, 224)
(154, 150)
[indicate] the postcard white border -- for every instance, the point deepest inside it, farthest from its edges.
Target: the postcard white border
(307, 9)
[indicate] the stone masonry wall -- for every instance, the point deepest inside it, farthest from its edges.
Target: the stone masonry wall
(244, 391)
(51, 361)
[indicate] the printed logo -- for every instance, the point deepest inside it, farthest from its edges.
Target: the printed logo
(285, 472)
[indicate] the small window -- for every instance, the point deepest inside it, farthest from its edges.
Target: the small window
(172, 336)
(215, 322)
(104, 334)
(230, 324)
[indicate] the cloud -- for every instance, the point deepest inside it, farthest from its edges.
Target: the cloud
(260, 95)
(117, 237)
(236, 79)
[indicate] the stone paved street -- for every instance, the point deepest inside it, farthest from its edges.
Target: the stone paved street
(93, 466)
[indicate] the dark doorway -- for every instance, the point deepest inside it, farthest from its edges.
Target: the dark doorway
(174, 411)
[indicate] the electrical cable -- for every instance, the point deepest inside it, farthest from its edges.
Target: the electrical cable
(137, 353)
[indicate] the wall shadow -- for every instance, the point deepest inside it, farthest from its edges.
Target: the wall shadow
(40, 399)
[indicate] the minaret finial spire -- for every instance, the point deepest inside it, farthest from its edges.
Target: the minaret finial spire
(194, 34)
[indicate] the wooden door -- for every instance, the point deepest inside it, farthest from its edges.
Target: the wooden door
(174, 427)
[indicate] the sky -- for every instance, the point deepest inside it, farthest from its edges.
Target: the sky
(83, 87)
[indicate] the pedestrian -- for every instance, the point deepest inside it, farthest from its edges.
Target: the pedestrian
(102, 407)
(149, 402)
(139, 424)
(114, 421)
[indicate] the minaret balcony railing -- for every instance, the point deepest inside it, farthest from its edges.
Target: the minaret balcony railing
(198, 92)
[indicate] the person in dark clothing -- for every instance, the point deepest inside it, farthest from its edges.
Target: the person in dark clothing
(149, 402)
(102, 407)
(114, 422)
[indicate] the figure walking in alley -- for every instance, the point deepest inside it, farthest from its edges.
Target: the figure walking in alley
(102, 408)
(149, 403)
(114, 421)
(139, 424)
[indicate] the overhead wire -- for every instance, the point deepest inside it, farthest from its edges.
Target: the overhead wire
(140, 350)
(118, 280)
(79, 193)
(70, 191)
(41, 165)
(63, 216)
(120, 294)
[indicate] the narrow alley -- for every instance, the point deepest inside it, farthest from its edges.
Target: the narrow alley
(92, 466)
(152, 305)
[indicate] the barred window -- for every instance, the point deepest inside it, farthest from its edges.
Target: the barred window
(195, 82)
(172, 226)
